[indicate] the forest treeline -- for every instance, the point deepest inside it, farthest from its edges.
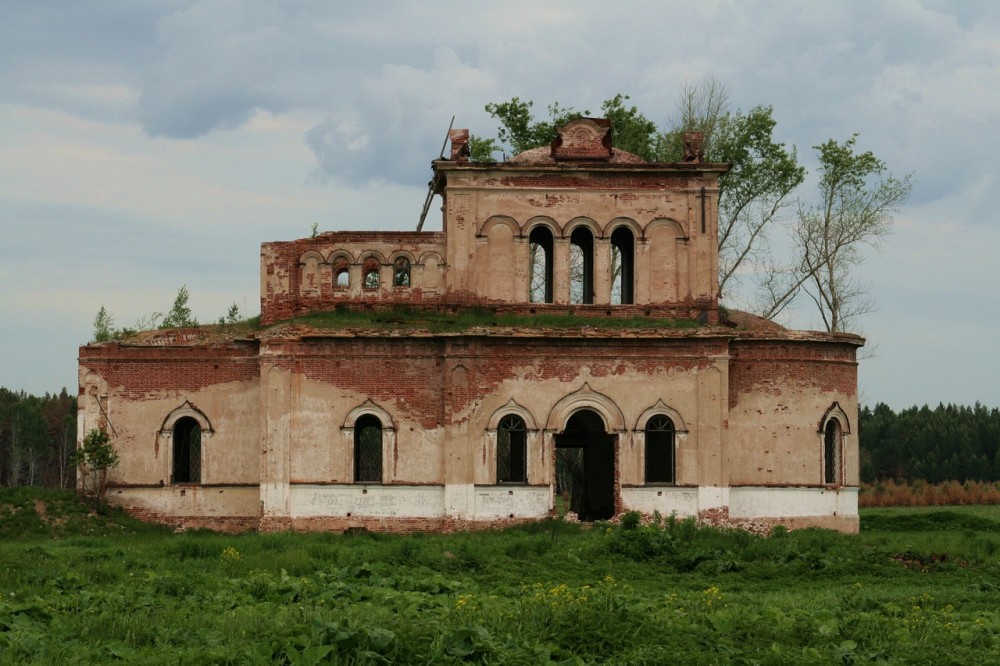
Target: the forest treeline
(946, 443)
(37, 439)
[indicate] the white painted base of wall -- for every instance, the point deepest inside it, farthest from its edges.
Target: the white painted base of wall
(479, 503)
(374, 501)
(664, 499)
(356, 501)
(743, 502)
(192, 501)
(754, 502)
(512, 502)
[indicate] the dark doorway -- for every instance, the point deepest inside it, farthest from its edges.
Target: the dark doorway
(187, 451)
(585, 466)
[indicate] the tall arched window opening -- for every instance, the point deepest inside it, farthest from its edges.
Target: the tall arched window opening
(341, 273)
(581, 266)
(368, 450)
(370, 277)
(831, 451)
(512, 444)
(540, 244)
(622, 266)
(187, 451)
(660, 459)
(401, 272)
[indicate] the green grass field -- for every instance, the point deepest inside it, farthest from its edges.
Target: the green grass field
(915, 587)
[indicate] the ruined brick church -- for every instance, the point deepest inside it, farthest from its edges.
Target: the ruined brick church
(658, 403)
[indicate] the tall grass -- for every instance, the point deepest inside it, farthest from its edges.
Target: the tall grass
(905, 590)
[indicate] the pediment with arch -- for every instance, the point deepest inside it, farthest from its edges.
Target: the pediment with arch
(835, 411)
(586, 398)
(186, 410)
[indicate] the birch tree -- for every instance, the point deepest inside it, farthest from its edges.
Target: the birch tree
(857, 201)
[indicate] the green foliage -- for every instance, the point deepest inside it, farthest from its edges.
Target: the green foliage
(232, 316)
(179, 315)
(753, 193)
(104, 326)
(402, 317)
(94, 460)
(37, 434)
(100, 593)
(856, 206)
(949, 442)
(519, 132)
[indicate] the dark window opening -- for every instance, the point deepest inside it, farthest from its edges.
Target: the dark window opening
(187, 451)
(622, 266)
(401, 272)
(540, 244)
(368, 450)
(512, 441)
(660, 458)
(831, 451)
(581, 266)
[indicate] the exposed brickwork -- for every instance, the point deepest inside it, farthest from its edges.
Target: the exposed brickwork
(772, 366)
(141, 370)
(277, 410)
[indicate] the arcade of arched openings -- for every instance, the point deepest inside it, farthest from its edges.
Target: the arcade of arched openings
(598, 375)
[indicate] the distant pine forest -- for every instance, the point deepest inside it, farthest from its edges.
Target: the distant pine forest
(915, 446)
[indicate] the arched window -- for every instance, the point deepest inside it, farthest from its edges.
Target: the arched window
(341, 273)
(831, 452)
(512, 444)
(622, 266)
(581, 266)
(540, 244)
(187, 451)
(369, 275)
(368, 450)
(660, 460)
(401, 272)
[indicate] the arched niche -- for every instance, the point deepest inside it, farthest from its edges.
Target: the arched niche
(310, 273)
(503, 220)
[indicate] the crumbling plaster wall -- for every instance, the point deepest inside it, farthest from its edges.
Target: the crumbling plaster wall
(490, 213)
(299, 276)
(132, 392)
(779, 392)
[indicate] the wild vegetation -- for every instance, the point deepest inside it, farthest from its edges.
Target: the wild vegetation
(90, 587)
(853, 207)
(404, 317)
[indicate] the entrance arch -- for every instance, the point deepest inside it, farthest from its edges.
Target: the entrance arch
(585, 465)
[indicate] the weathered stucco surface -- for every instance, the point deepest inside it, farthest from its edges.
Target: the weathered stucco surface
(762, 421)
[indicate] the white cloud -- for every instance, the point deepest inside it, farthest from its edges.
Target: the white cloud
(155, 144)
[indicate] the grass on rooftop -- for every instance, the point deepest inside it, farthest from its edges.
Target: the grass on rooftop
(444, 322)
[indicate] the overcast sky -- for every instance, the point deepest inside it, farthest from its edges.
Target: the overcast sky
(149, 145)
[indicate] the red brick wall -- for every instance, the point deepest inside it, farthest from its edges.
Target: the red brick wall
(768, 365)
(144, 370)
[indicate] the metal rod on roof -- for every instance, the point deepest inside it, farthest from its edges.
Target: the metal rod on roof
(430, 185)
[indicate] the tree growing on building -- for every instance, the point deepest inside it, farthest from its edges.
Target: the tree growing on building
(180, 315)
